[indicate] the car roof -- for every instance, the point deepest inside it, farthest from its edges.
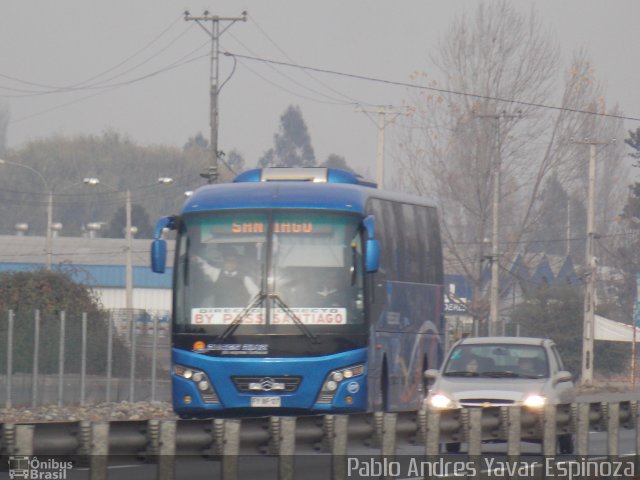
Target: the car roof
(504, 340)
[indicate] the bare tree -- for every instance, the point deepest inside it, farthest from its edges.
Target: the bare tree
(454, 135)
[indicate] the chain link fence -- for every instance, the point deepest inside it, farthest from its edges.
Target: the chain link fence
(120, 355)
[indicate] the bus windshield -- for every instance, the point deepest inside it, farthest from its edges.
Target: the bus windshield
(264, 271)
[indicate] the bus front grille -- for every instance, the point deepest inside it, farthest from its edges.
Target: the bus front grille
(266, 384)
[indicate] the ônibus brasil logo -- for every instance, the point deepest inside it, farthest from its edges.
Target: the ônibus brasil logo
(32, 468)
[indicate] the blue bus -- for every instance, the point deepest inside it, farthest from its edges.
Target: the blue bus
(302, 291)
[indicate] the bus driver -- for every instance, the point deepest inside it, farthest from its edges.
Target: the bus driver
(231, 287)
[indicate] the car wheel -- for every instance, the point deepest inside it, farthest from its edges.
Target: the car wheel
(452, 447)
(565, 443)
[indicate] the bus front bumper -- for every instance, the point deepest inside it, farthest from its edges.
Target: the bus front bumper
(268, 386)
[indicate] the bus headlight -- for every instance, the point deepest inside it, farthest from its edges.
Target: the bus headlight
(334, 379)
(183, 371)
(207, 393)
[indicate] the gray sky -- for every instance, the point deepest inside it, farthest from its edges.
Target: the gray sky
(66, 42)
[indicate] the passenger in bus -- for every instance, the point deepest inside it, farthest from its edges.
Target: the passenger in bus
(231, 287)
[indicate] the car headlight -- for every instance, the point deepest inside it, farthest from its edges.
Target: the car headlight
(440, 401)
(535, 401)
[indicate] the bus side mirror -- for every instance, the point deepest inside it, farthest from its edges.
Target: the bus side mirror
(372, 248)
(159, 244)
(372, 258)
(158, 255)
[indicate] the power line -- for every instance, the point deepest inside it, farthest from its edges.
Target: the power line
(349, 98)
(82, 85)
(280, 87)
(95, 198)
(332, 100)
(108, 88)
(433, 89)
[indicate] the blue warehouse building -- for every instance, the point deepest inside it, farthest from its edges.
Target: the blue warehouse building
(98, 263)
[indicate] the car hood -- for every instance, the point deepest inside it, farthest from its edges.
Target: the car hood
(512, 389)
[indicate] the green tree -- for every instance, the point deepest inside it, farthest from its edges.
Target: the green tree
(53, 292)
(292, 143)
(557, 208)
(197, 142)
(556, 312)
(336, 161)
(234, 161)
(634, 142)
(114, 159)
(626, 255)
(553, 220)
(139, 219)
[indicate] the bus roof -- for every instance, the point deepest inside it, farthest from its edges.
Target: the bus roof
(291, 194)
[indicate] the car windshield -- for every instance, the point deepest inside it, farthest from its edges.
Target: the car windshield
(498, 360)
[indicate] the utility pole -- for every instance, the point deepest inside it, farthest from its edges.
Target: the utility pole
(129, 262)
(382, 111)
(49, 238)
(568, 247)
(214, 32)
(494, 299)
(588, 326)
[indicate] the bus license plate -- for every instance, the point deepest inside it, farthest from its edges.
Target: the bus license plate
(265, 401)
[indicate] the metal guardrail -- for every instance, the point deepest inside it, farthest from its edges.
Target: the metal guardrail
(377, 434)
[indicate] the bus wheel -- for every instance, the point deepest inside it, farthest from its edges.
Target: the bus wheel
(384, 388)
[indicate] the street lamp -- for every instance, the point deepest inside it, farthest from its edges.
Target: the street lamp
(93, 181)
(49, 206)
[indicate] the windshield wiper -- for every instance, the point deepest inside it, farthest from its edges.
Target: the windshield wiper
(280, 303)
(256, 301)
(500, 374)
(460, 373)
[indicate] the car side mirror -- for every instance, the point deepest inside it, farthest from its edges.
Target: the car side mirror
(431, 374)
(562, 376)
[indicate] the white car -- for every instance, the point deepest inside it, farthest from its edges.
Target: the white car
(502, 371)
